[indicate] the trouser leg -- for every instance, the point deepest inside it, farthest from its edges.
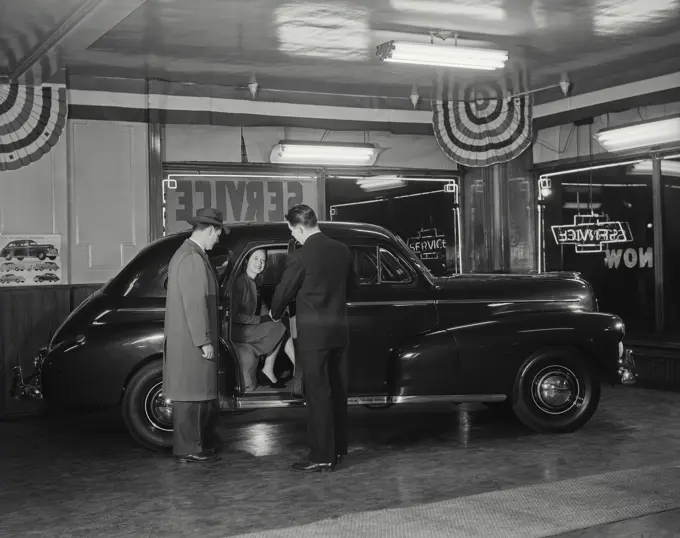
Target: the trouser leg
(314, 365)
(210, 437)
(338, 381)
(188, 421)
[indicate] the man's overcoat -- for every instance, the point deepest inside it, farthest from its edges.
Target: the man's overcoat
(191, 321)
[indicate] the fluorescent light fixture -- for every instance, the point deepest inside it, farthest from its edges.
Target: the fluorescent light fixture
(378, 184)
(644, 168)
(319, 153)
(442, 55)
(641, 135)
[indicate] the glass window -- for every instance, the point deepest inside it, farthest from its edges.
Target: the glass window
(599, 223)
(428, 221)
(378, 265)
(670, 181)
(393, 269)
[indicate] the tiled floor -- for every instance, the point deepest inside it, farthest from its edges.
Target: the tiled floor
(83, 476)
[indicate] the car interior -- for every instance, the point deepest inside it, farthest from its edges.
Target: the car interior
(275, 266)
(373, 265)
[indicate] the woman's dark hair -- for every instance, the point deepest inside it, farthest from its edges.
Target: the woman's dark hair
(259, 278)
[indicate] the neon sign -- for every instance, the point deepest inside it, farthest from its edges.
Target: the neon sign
(428, 245)
(591, 233)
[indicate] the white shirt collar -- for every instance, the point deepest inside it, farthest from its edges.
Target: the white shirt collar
(196, 243)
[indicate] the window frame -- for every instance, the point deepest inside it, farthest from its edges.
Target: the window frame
(378, 247)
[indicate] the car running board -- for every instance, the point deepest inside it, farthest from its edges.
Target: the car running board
(260, 403)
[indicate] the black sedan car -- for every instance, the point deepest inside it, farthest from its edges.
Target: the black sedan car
(533, 343)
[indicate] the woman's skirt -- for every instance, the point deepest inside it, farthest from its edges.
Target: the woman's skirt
(263, 337)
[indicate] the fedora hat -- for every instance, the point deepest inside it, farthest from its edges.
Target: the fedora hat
(208, 215)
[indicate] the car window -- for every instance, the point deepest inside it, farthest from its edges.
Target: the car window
(393, 269)
(365, 264)
(276, 261)
(379, 265)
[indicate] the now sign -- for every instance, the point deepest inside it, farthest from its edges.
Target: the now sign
(239, 199)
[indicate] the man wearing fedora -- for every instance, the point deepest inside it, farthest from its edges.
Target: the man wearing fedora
(191, 339)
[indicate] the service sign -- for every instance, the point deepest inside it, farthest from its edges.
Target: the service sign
(428, 245)
(591, 233)
(240, 199)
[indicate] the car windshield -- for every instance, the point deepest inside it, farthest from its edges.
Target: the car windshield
(415, 259)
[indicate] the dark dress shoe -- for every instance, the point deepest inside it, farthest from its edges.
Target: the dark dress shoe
(202, 457)
(312, 467)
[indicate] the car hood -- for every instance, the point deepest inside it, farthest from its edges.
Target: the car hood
(511, 287)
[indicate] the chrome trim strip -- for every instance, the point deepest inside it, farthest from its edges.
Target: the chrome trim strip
(256, 403)
(450, 398)
(262, 403)
(392, 303)
(367, 400)
(504, 301)
(141, 309)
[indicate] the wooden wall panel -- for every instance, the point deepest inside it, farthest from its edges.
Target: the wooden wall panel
(33, 199)
(108, 183)
(29, 318)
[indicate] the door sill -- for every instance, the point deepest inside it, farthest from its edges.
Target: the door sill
(262, 400)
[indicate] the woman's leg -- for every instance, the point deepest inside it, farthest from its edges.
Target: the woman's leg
(268, 368)
(289, 348)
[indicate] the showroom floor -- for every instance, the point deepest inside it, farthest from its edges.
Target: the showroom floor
(470, 470)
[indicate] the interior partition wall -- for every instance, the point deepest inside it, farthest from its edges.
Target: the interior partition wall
(497, 204)
(616, 224)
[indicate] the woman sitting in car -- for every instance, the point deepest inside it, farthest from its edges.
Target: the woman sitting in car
(251, 323)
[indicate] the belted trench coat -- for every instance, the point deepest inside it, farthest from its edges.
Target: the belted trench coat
(191, 321)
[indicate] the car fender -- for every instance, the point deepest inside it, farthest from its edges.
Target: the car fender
(492, 351)
(425, 365)
(99, 365)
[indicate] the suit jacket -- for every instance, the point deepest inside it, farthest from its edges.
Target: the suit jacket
(316, 276)
(191, 321)
(244, 301)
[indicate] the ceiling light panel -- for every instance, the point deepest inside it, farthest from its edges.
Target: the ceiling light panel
(641, 135)
(442, 55)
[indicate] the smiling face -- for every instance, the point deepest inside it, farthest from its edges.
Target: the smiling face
(256, 262)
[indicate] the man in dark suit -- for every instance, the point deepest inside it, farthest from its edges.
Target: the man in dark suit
(192, 331)
(316, 275)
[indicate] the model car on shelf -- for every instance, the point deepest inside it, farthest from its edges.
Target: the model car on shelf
(47, 277)
(28, 248)
(11, 278)
(11, 266)
(46, 266)
(534, 343)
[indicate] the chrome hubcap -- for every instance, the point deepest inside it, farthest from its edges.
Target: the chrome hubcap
(555, 390)
(158, 410)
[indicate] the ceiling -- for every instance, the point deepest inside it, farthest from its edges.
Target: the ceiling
(329, 46)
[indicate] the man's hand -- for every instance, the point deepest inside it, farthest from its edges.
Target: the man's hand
(208, 351)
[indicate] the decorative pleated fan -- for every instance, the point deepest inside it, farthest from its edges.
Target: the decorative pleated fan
(477, 125)
(32, 119)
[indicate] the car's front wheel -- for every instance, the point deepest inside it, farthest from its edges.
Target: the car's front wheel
(147, 414)
(556, 391)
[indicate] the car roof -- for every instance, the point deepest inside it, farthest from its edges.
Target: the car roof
(279, 230)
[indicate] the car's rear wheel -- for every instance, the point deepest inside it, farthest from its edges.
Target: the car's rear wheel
(556, 391)
(41, 256)
(147, 414)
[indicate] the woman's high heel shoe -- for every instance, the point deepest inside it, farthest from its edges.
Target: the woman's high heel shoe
(263, 379)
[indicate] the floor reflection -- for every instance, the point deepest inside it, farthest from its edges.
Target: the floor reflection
(77, 475)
